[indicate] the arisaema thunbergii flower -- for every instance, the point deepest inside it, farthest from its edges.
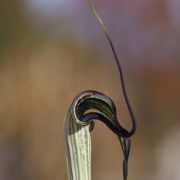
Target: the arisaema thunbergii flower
(79, 122)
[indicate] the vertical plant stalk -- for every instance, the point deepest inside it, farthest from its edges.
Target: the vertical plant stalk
(78, 149)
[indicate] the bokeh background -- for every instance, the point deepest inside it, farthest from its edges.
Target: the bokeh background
(50, 50)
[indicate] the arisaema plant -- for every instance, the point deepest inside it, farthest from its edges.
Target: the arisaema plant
(87, 107)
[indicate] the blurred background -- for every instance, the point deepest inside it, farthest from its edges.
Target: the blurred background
(50, 50)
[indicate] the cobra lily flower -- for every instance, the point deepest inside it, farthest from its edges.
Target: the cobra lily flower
(79, 122)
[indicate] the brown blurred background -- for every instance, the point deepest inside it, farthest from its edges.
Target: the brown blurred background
(50, 50)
